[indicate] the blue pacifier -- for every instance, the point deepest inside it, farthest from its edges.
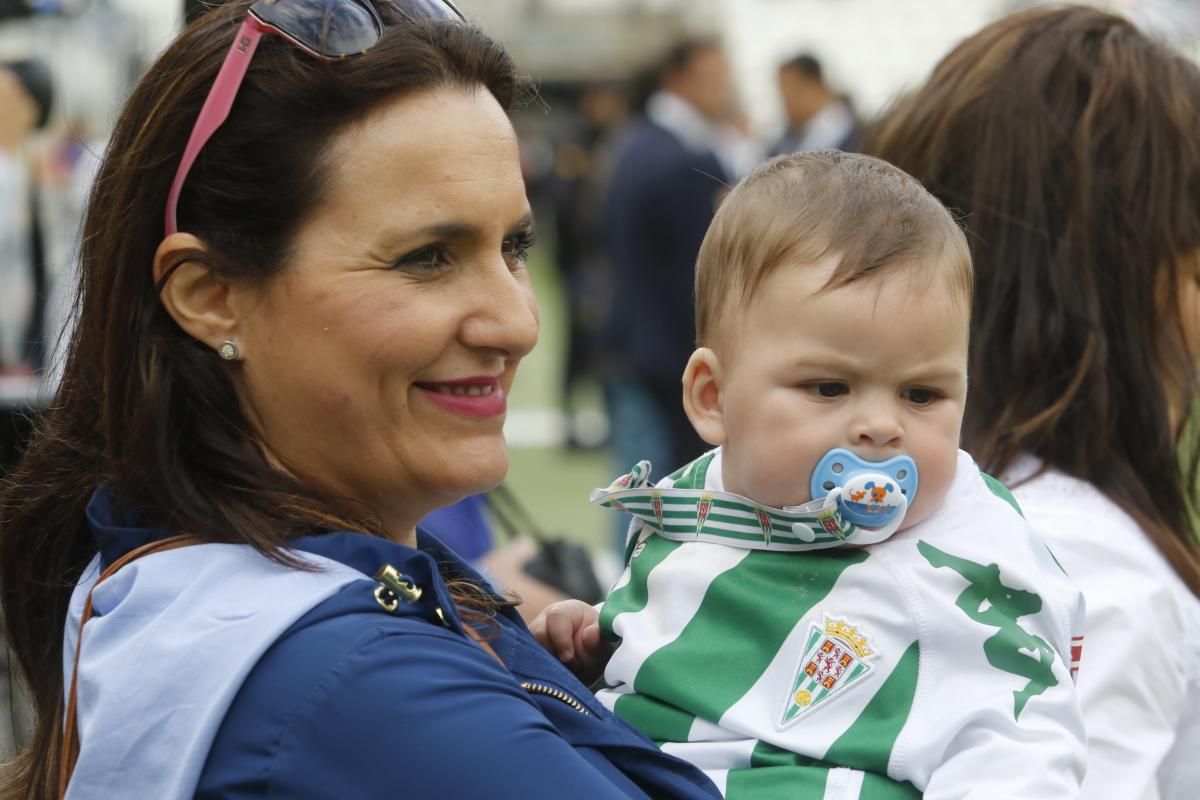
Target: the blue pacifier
(869, 494)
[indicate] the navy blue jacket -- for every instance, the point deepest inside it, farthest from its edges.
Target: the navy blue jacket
(356, 702)
(661, 199)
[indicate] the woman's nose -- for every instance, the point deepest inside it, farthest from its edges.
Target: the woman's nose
(506, 316)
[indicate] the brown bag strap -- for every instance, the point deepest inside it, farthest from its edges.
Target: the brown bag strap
(69, 751)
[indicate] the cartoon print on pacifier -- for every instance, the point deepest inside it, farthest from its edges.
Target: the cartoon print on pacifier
(868, 494)
(871, 499)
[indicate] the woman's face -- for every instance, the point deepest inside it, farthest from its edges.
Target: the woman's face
(379, 361)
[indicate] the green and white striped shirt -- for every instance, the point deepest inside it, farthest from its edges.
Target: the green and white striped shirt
(935, 663)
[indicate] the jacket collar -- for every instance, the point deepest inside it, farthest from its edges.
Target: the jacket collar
(117, 529)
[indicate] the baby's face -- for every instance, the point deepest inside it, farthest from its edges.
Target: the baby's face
(878, 367)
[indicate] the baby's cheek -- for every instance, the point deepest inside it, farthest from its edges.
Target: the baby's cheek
(936, 478)
(783, 477)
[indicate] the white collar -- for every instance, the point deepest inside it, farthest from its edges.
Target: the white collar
(714, 515)
(680, 118)
(829, 127)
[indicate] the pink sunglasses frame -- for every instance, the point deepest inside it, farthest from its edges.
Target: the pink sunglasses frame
(220, 98)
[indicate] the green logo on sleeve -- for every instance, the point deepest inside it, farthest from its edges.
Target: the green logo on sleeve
(989, 602)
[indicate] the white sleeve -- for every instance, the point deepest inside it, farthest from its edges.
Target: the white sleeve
(1133, 675)
(997, 715)
(1130, 684)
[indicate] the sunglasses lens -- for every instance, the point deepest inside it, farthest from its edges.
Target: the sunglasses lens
(332, 28)
(430, 9)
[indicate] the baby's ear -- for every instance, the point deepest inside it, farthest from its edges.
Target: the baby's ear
(702, 399)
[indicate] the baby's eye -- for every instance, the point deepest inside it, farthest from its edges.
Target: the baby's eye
(920, 397)
(828, 389)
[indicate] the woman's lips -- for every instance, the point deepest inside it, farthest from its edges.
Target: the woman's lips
(469, 397)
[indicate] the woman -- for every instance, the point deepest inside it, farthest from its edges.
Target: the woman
(315, 356)
(1067, 140)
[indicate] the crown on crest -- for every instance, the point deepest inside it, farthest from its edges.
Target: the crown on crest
(850, 635)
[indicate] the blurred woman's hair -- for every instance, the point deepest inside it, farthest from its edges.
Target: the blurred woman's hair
(145, 410)
(1070, 144)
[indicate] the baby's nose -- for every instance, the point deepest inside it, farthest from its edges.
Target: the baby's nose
(878, 430)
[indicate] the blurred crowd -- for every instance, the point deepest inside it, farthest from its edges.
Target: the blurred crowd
(65, 65)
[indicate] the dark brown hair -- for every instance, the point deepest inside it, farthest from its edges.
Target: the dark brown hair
(798, 208)
(1071, 143)
(144, 409)
(806, 65)
(681, 55)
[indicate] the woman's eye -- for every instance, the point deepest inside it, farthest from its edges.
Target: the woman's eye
(516, 248)
(426, 259)
(828, 389)
(920, 397)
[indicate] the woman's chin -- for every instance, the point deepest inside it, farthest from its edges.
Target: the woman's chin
(480, 471)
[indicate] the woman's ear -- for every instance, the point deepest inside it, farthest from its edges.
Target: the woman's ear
(702, 395)
(196, 298)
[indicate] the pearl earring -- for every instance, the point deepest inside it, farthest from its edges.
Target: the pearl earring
(228, 350)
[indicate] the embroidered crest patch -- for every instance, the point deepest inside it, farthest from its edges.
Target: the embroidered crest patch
(703, 506)
(829, 521)
(835, 657)
(1076, 656)
(764, 522)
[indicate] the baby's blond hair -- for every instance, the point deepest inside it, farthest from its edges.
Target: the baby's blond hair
(800, 208)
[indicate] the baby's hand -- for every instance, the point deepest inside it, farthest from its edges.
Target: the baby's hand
(570, 630)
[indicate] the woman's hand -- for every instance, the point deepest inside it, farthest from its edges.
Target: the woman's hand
(571, 630)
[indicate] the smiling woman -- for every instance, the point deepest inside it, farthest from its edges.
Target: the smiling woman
(400, 319)
(214, 530)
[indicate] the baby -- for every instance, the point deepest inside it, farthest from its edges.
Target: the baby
(836, 602)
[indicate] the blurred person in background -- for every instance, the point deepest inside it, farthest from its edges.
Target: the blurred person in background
(1067, 140)
(667, 178)
(68, 170)
(817, 116)
(25, 100)
(576, 187)
(740, 149)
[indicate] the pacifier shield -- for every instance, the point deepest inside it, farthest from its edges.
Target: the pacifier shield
(872, 492)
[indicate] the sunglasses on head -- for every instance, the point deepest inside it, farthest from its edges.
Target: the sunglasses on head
(327, 29)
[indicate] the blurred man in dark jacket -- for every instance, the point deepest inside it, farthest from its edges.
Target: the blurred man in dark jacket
(668, 175)
(817, 116)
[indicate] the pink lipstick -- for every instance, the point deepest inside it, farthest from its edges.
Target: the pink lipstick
(478, 396)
